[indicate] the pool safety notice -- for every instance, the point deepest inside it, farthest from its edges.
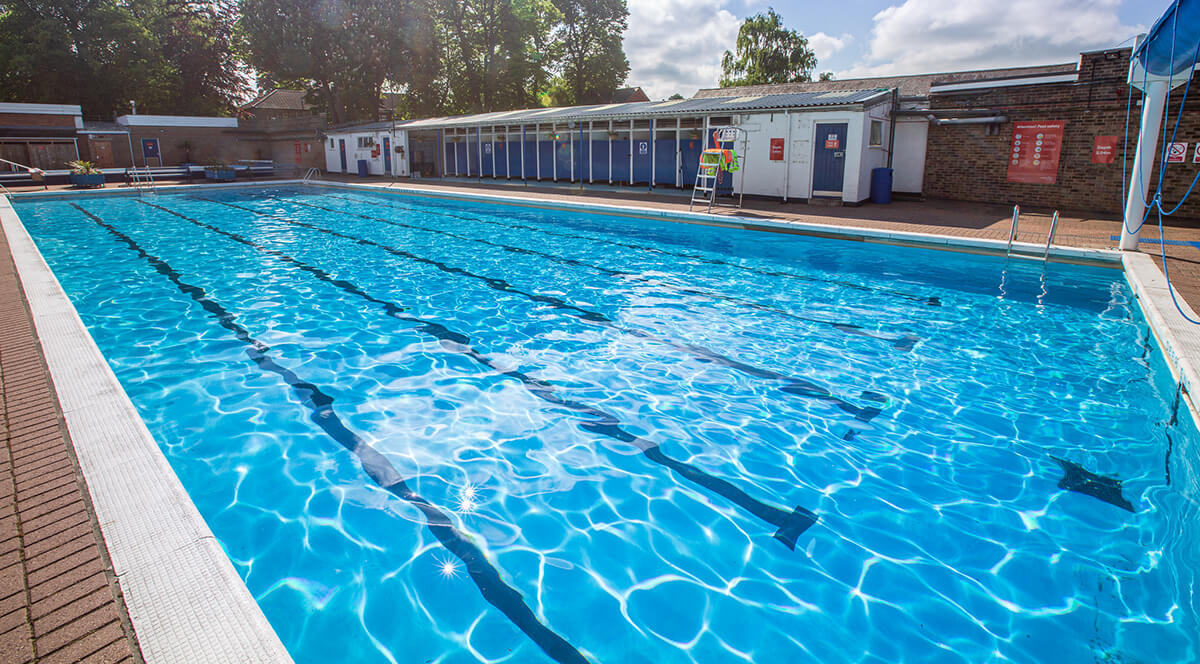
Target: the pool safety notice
(1036, 147)
(776, 149)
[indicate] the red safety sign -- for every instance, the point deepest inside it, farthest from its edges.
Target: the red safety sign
(1036, 147)
(1177, 153)
(831, 142)
(1105, 149)
(776, 149)
(1196, 155)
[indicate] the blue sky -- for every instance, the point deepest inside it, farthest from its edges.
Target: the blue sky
(676, 45)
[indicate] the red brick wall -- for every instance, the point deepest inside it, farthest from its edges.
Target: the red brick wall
(964, 163)
(36, 120)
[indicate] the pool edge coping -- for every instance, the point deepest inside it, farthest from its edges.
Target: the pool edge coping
(1178, 339)
(185, 599)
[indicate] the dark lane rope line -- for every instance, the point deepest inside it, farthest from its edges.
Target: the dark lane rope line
(933, 301)
(902, 342)
(790, 524)
(486, 577)
(794, 386)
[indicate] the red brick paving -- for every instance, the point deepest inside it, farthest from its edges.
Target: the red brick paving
(59, 601)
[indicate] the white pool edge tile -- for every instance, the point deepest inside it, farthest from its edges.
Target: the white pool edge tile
(185, 599)
(1178, 338)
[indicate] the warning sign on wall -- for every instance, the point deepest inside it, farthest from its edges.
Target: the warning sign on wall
(831, 142)
(776, 149)
(1036, 147)
(1104, 150)
(1196, 155)
(1177, 153)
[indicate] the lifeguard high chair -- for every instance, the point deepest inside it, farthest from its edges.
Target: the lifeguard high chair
(716, 161)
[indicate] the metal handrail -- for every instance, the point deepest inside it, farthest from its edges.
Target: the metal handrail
(313, 173)
(1012, 232)
(7, 193)
(1050, 237)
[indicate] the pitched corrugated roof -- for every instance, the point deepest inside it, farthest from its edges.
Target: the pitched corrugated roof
(638, 110)
(915, 85)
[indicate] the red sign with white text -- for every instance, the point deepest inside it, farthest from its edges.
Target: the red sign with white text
(776, 149)
(1035, 150)
(1104, 151)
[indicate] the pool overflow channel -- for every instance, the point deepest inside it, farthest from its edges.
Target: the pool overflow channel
(790, 525)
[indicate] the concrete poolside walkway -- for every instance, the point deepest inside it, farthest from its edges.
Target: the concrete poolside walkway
(59, 600)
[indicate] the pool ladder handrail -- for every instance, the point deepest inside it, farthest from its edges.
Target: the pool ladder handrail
(313, 173)
(140, 185)
(7, 193)
(1012, 232)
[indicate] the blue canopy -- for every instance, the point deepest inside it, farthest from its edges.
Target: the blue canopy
(1170, 47)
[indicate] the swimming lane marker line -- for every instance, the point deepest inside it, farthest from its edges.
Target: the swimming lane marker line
(320, 405)
(790, 525)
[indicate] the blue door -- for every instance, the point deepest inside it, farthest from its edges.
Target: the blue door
(387, 155)
(689, 159)
(342, 152)
(641, 162)
(829, 160)
(664, 162)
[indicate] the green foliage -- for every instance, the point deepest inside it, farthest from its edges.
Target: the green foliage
(675, 96)
(826, 76)
(589, 38)
(81, 167)
(342, 50)
(172, 56)
(767, 53)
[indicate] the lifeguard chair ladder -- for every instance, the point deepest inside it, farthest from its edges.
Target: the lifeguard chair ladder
(708, 173)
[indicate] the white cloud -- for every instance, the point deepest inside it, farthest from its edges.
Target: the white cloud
(920, 36)
(676, 45)
(824, 45)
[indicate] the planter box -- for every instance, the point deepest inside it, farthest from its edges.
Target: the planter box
(87, 179)
(223, 174)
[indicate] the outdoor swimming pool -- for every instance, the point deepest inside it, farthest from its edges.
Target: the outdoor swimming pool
(427, 430)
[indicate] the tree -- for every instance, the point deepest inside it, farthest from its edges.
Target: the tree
(767, 53)
(826, 76)
(172, 56)
(593, 61)
(493, 52)
(343, 51)
(675, 96)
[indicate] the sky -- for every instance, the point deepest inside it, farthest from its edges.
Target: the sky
(676, 45)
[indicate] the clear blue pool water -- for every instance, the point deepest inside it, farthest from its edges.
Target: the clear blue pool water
(436, 431)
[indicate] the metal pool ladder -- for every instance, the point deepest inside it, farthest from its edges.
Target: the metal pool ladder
(141, 184)
(313, 173)
(1012, 233)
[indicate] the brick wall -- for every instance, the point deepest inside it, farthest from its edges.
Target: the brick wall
(36, 120)
(963, 162)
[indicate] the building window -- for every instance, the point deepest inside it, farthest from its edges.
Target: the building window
(366, 142)
(876, 133)
(331, 144)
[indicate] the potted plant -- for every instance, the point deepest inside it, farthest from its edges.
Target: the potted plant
(219, 171)
(85, 174)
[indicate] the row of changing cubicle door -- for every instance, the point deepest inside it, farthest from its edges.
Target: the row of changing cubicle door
(665, 162)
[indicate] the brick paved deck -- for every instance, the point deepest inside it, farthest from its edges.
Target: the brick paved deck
(59, 601)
